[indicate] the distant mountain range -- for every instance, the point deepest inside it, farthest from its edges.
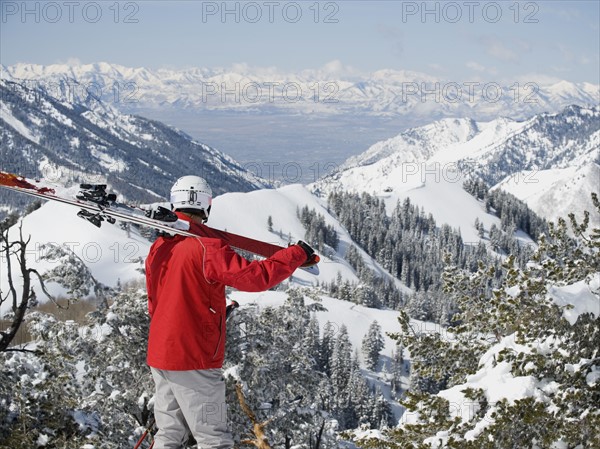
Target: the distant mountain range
(70, 143)
(384, 93)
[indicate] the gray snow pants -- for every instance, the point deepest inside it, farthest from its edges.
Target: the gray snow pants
(190, 402)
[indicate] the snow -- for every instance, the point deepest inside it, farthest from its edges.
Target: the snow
(426, 165)
(381, 93)
(247, 214)
(513, 291)
(422, 164)
(108, 162)
(488, 135)
(593, 377)
(554, 193)
(580, 296)
(437, 188)
(368, 433)
(42, 440)
(16, 124)
(497, 383)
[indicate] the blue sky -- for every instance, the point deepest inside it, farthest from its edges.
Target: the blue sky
(459, 41)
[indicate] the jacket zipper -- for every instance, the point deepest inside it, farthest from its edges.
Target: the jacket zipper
(220, 335)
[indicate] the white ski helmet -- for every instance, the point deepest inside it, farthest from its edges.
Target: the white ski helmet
(191, 192)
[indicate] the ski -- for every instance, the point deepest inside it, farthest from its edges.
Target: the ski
(97, 206)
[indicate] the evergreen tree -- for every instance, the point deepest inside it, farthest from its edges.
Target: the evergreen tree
(279, 374)
(372, 345)
(397, 370)
(326, 348)
(341, 361)
(382, 416)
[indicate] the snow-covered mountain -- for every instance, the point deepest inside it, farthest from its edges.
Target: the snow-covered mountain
(71, 142)
(549, 159)
(557, 192)
(326, 92)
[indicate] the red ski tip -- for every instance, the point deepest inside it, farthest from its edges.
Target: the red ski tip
(314, 260)
(11, 180)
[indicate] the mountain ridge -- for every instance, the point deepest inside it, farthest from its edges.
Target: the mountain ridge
(384, 92)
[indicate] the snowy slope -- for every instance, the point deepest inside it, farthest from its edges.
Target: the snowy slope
(247, 214)
(435, 188)
(109, 252)
(554, 193)
(400, 167)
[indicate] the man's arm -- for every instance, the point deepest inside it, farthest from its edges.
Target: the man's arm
(222, 264)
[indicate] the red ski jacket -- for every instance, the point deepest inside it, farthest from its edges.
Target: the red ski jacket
(185, 280)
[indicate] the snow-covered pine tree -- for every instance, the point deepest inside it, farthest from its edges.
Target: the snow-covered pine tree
(341, 361)
(326, 347)
(397, 369)
(372, 344)
(72, 273)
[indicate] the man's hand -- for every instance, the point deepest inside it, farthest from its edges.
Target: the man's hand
(307, 249)
(311, 257)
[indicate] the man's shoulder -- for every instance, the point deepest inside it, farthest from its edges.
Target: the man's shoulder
(187, 242)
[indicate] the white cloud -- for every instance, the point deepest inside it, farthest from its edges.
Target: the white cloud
(475, 66)
(436, 67)
(496, 48)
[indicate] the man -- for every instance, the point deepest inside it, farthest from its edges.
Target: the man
(186, 279)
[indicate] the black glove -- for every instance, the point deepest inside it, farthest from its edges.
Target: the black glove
(230, 309)
(307, 249)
